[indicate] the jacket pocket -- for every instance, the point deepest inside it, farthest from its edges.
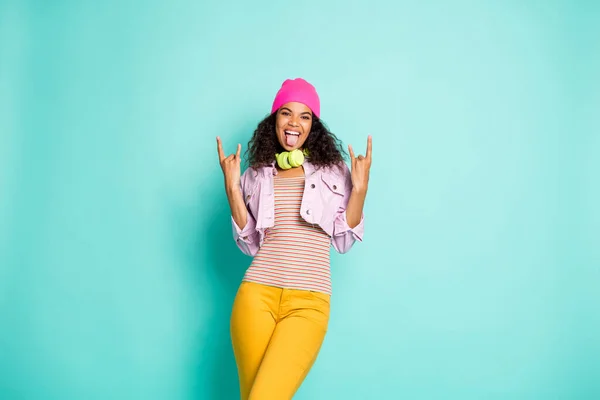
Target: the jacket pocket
(334, 184)
(332, 195)
(333, 190)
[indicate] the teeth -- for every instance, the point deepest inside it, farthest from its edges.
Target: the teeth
(292, 133)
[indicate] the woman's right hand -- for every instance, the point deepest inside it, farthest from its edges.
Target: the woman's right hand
(231, 171)
(230, 166)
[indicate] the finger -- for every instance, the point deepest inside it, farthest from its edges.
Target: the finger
(220, 149)
(369, 147)
(239, 149)
(351, 151)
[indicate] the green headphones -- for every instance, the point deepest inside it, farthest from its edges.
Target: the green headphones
(290, 159)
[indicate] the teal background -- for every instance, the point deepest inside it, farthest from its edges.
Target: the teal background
(479, 274)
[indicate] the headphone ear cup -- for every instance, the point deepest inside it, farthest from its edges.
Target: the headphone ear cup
(278, 159)
(296, 158)
(283, 160)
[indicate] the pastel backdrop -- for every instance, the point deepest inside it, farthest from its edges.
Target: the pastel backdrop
(479, 272)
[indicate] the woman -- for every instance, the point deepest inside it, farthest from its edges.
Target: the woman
(295, 200)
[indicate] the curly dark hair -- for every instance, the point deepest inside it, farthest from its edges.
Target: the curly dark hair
(324, 148)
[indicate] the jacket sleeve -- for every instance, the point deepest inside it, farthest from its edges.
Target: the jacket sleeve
(344, 237)
(246, 238)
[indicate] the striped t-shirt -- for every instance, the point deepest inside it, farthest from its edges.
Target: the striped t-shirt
(294, 254)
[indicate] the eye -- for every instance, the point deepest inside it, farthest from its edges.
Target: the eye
(306, 117)
(286, 113)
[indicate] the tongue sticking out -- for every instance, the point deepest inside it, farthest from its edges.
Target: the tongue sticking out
(291, 140)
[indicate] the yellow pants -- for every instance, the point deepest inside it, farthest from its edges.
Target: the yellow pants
(276, 335)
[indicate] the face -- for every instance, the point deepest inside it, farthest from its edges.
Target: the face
(293, 124)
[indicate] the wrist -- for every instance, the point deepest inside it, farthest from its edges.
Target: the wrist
(232, 188)
(359, 191)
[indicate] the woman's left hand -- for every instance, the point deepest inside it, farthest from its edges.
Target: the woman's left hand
(360, 168)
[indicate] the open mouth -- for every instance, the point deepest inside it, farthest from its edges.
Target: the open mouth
(291, 137)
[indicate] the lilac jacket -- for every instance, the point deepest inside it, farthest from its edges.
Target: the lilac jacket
(324, 202)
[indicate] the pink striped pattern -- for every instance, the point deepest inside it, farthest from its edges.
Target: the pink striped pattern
(294, 254)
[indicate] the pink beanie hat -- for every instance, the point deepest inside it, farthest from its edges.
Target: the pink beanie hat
(300, 91)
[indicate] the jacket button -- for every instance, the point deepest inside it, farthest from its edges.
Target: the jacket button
(312, 186)
(334, 187)
(307, 212)
(248, 197)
